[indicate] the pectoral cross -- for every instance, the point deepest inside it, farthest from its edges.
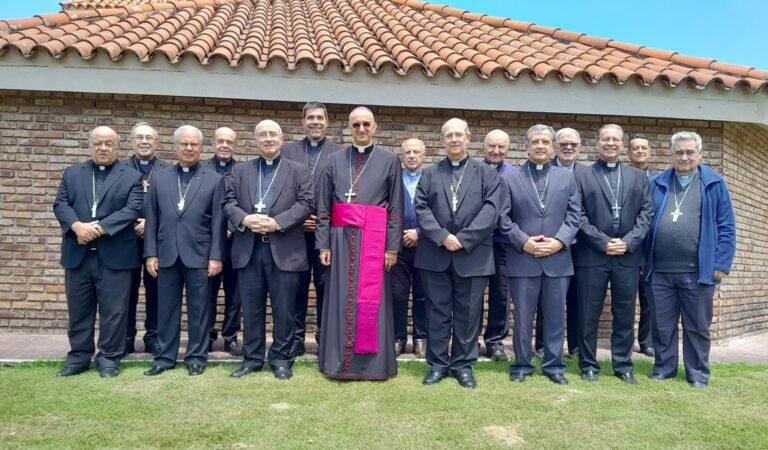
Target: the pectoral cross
(454, 203)
(260, 206)
(616, 211)
(675, 214)
(93, 209)
(350, 195)
(145, 183)
(180, 205)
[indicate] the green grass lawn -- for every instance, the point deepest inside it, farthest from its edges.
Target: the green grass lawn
(214, 411)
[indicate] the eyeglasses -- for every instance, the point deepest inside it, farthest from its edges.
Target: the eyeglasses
(268, 134)
(357, 125)
(148, 138)
(569, 144)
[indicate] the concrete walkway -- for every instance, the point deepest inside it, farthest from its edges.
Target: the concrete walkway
(31, 347)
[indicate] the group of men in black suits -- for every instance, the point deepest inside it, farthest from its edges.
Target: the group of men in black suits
(549, 237)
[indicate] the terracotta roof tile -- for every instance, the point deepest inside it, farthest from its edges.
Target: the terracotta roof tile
(399, 35)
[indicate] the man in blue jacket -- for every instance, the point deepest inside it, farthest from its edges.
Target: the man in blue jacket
(690, 250)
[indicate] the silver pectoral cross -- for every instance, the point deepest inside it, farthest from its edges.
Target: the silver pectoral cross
(260, 206)
(616, 211)
(180, 205)
(675, 214)
(350, 195)
(145, 184)
(454, 203)
(93, 209)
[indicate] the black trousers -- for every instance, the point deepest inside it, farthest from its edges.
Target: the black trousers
(645, 324)
(497, 322)
(230, 325)
(454, 308)
(171, 283)
(676, 297)
(547, 295)
(261, 277)
(591, 290)
(318, 274)
(572, 317)
(93, 287)
(150, 299)
(406, 279)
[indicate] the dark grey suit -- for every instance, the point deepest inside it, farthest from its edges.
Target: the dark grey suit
(184, 241)
(269, 264)
(455, 281)
(541, 281)
(299, 151)
(98, 275)
(594, 269)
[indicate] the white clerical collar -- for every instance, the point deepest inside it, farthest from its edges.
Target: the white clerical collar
(413, 174)
(361, 148)
(269, 162)
(185, 169)
(455, 163)
(610, 165)
(222, 163)
(493, 165)
(313, 143)
(539, 166)
(561, 164)
(144, 162)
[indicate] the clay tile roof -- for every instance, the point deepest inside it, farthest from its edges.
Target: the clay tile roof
(374, 35)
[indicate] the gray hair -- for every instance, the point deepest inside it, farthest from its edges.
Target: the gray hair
(309, 106)
(182, 129)
(611, 126)
(569, 131)
(143, 124)
(538, 128)
(419, 143)
(686, 136)
(90, 135)
(466, 125)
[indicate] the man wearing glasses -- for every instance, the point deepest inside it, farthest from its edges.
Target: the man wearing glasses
(144, 144)
(97, 205)
(313, 152)
(359, 234)
(457, 206)
(184, 243)
(616, 214)
(223, 161)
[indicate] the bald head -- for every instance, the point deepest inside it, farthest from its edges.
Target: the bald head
(269, 139)
(362, 126)
(224, 143)
(495, 146)
(455, 138)
(103, 143)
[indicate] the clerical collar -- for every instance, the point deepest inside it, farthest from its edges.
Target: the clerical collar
(97, 166)
(607, 165)
(315, 144)
(562, 164)
(492, 165)
(459, 163)
(145, 162)
(363, 149)
(268, 162)
(535, 166)
(192, 168)
(685, 180)
(413, 174)
(224, 163)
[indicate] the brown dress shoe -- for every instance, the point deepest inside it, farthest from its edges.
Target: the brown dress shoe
(420, 348)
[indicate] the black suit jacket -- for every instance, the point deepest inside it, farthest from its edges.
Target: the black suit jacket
(296, 151)
(292, 204)
(473, 223)
(197, 233)
(119, 206)
(596, 222)
(159, 165)
(524, 218)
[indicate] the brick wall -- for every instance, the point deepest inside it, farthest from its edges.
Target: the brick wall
(43, 132)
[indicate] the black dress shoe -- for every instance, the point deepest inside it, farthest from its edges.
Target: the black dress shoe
(589, 375)
(298, 349)
(399, 347)
(498, 354)
(420, 348)
(152, 347)
(243, 371)
(697, 384)
(557, 378)
(648, 351)
(466, 380)
(626, 377)
(155, 370)
(109, 372)
(232, 348)
(69, 371)
(195, 369)
(517, 377)
(283, 373)
(433, 377)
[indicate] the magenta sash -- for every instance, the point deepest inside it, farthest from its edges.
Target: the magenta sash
(372, 221)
